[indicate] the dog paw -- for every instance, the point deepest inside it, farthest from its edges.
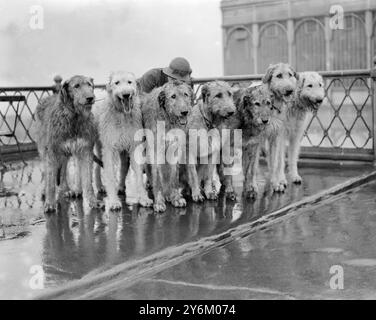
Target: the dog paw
(230, 195)
(121, 192)
(101, 190)
(197, 196)
(252, 192)
(278, 187)
(145, 201)
(93, 202)
(212, 195)
(283, 182)
(297, 179)
(159, 206)
(114, 204)
(48, 208)
(72, 194)
(179, 202)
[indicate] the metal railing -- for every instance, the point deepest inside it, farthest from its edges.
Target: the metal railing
(342, 129)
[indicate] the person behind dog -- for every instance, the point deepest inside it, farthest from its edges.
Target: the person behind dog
(179, 69)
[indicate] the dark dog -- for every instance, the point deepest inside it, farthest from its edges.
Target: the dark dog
(66, 128)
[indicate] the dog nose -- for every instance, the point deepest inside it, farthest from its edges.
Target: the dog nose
(319, 100)
(288, 92)
(230, 113)
(184, 113)
(90, 99)
(265, 121)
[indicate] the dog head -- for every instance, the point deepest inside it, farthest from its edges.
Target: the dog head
(218, 100)
(255, 106)
(78, 92)
(176, 99)
(122, 88)
(281, 79)
(310, 90)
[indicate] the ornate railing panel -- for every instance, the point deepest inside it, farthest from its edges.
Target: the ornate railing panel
(343, 128)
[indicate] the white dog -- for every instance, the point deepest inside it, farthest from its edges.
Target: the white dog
(118, 118)
(308, 96)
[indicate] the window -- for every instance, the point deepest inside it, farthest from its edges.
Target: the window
(310, 27)
(271, 31)
(240, 34)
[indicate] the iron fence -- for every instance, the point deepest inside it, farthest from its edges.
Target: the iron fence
(342, 129)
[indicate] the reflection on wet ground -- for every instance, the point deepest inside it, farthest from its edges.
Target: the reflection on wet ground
(290, 260)
(76, 241)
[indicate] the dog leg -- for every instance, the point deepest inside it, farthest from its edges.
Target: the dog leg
(175, 196)
(294, 149)
(209, 189)
(44, 179)
(143, 198)
(64, 188)
(51, 173)
(113, 202)
(77, 182)
(159, 199)
(274, 158)
(226, 182)
(97, 170)
(282, 162)
(124, 166)
(250, 165)
(194, 184)
(85, 164)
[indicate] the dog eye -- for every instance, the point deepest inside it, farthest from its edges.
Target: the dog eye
(229, 93)
(268, 103)
(279, 75)
(310, 86)
(129, 82)
(186, 94)
(219, 95)
(77, 85)
(173, 96)
(320, 85)
(257, 104)
(290, 74)
(117, 82)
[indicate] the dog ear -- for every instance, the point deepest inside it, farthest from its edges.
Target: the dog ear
(237, 95)
(205, 92)
(92, 81)
(64, 92)
(162, 99)
(269, 73)
(295, 74)
(108, 84)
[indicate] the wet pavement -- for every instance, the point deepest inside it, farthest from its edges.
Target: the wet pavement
(290, 260)
(76, 241)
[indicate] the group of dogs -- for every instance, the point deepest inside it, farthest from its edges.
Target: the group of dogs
(271, 116)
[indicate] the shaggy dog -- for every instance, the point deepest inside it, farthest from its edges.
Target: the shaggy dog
(254, 112)
(281, 80)
(211, 112)
(308, 96)
(168, 106)
(117, 119)
(66, 128)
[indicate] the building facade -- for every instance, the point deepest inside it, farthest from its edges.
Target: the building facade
(257, 33)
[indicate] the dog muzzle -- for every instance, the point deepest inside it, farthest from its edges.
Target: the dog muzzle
(126, 101)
